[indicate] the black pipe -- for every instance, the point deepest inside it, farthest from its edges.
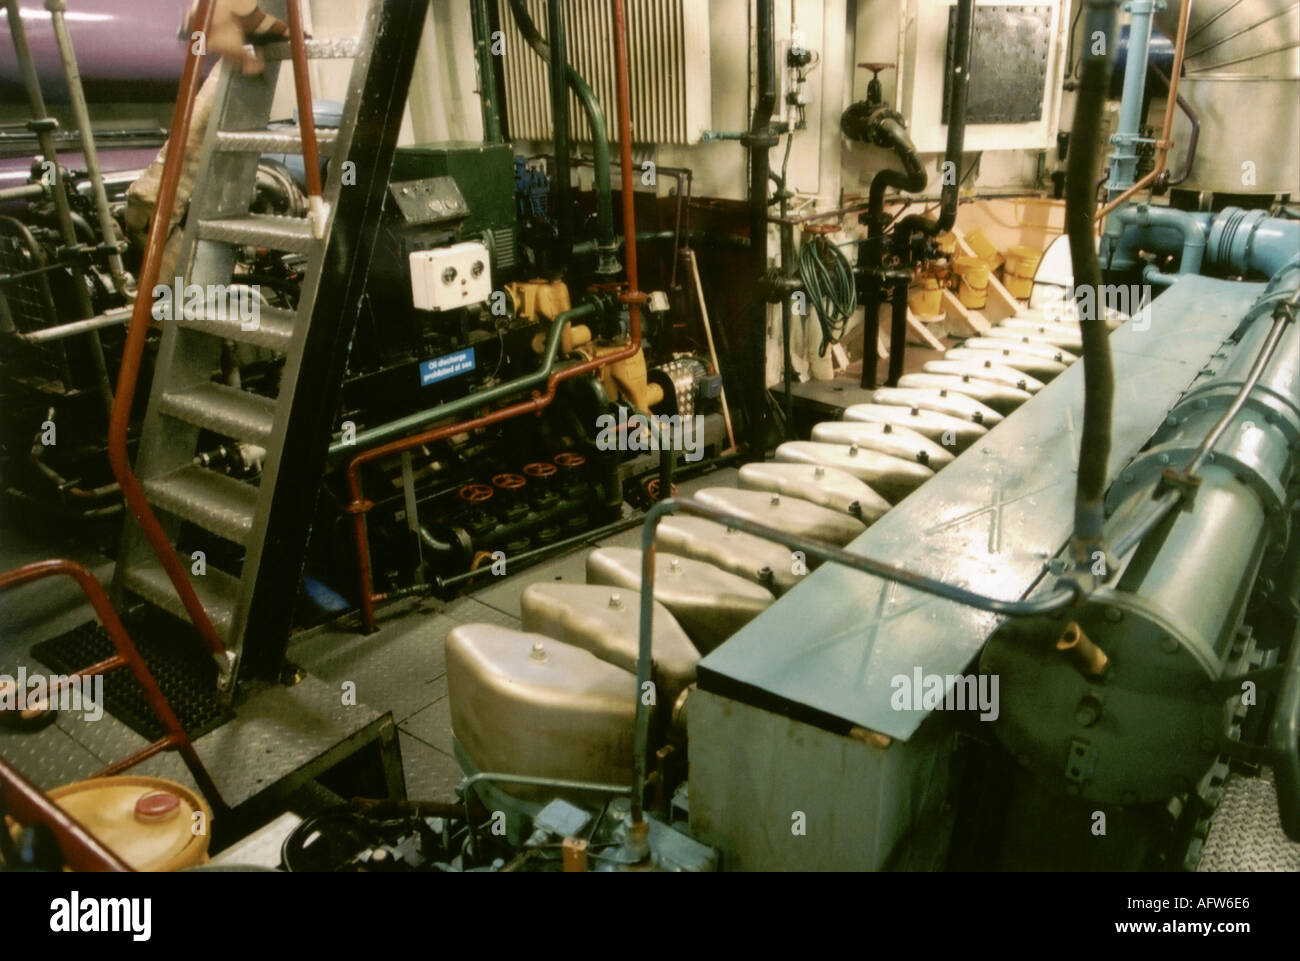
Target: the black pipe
(559, 70)
(897, 332)
(959, 88)
(1194, 119)
(888, 131)
(1086, 145)
(487, 71)
(760, 140)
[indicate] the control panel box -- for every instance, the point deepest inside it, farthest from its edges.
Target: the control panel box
(449, 277)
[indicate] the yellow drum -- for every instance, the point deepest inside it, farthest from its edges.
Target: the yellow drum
(974, 273)
(150, 823)
(928, 301)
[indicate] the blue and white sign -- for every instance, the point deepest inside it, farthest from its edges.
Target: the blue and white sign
(432, 371)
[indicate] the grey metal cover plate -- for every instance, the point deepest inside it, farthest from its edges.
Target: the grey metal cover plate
(1008, 63)
(827, 650)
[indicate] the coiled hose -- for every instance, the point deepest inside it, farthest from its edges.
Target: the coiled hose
(828, 281)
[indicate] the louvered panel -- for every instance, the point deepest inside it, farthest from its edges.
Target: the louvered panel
(668, 53)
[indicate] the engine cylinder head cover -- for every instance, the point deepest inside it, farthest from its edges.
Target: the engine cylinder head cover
(710, 604)
(893, 477)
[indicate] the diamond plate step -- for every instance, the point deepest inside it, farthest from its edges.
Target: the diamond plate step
(274, 328)
(217, 503)
(261, 230)
(339, 48)
(223, 410)
(274, 141)
(217, 590)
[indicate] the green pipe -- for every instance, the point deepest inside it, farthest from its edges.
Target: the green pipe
(487, 72)
(730, 241)
(599, 140)
(423, 418)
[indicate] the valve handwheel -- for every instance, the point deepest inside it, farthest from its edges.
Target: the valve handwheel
(569, 460)
(540, 469)
(476, 493)
(509, 482)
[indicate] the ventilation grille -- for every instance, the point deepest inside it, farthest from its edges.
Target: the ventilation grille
(668, 63)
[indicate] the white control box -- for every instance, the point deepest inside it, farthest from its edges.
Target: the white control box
(450, 277)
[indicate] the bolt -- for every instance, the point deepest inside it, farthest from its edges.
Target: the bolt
(615, 601)
(1088, 711)
(853, 450)
(819, 471)
(1114, 615)
(776, 500)
(1169, 645)
(539, 651)
(887, 429)
(674, 565)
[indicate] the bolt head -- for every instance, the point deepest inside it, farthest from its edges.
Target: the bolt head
(615, 600)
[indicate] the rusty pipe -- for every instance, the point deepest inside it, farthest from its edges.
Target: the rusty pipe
(132, 351)
(1164, 144)
(631, 295)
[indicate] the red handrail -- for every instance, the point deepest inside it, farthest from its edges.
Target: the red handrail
(630, 295)
(317, 212)
(24, 802)
(18, 793)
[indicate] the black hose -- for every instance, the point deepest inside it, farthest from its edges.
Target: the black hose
(1086, 143)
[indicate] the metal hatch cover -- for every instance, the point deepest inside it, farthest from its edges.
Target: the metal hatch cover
(827, 651)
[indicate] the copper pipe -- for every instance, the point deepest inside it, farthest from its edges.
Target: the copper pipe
(1087, 657)
(306, 118)
(631, 295)
(24, 802)
(133, 349)
(1171, 105)
(127, 656)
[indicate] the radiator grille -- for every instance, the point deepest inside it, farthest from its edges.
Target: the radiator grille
(668, 63)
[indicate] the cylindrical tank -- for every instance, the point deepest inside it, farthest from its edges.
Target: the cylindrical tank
(1241, 74)
(1145, 718)
(127, 50)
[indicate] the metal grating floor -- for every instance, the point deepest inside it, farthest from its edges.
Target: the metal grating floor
(1245, 834)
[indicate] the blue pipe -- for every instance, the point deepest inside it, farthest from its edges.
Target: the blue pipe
(1235, 240)
(1123, 159)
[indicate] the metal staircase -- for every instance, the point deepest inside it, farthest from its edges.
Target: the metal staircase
(251, 607)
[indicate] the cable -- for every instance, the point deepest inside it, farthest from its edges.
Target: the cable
(829, 283)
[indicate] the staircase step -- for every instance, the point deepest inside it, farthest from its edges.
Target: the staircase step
(274, 328)
(223, 410)
(217, 503)
(218, 592)
(338, 48)
(288, 140)
(261, 230)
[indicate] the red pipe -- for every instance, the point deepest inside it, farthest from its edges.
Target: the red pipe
(631, 295)
(133, 350)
